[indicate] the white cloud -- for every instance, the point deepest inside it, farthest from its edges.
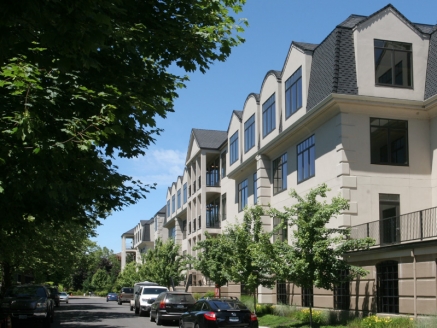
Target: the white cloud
(161, 166)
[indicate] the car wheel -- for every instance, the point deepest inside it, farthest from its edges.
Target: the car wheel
(46, 322)
(131, 308)
(158, 319)
(181, 323)
(196, 326)
(152, 318)
(137, 310)
(66, 302)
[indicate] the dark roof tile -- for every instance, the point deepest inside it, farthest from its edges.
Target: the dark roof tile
(210, 139)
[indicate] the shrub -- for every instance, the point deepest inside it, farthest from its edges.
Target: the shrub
(319, 317)
(209, 293)
(262, 309)
(374, 321)
(283, 310)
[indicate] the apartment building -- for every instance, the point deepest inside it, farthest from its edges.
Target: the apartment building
(357, 112)
(138, 240)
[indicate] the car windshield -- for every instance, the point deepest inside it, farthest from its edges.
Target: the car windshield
(230, 305)
(26, 291)
(177, 298)
(153, 291)
(112, 294)
(128, 290)
(63, 294)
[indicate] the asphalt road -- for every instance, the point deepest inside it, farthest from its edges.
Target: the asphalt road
(83, 312)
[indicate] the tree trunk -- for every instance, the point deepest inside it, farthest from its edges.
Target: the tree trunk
(311, 315)
(6, 279)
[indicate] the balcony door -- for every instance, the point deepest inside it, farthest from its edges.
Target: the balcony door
(389, 216)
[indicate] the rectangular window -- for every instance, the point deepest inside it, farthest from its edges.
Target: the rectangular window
(172, 233)
(168, 208)
(185, 192)
(307, 297)
(393, 63)
(255, 188)
(223, 207)
(173, 204)
(388, 141)
(269, 116)
(233, 148)
(189, 227)
(279, 234)
(306, 159)
(280, 174)
(293, 93)
(242, 195)
(342, 296)
(179, 198)
(249, 133)
(223, 164)
(389, 219)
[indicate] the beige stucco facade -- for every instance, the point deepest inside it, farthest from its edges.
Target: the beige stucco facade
(338, 127)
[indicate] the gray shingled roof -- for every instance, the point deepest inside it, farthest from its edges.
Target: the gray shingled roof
(352, 21)
(129, 232)
(239, 114)
(305, 46)
(210, 139)
(333, 68)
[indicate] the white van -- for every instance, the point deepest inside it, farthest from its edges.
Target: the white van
(144, 298)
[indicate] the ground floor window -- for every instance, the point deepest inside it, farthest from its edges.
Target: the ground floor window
(342, 295)
(387, 287)
(281, 292)
(307, 297)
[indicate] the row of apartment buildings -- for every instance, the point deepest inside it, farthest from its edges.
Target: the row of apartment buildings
(357, 112)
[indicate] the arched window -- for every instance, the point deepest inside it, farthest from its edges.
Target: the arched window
(387, 287)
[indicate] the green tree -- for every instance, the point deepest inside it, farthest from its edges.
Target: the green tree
(101, 280)
(82, 82)
(129, 276)
(163, 264)
(317, 253)
(250, 258)
(213, 258)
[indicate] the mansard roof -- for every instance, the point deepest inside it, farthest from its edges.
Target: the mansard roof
(129, 232)
(305, 46)
(333, 68)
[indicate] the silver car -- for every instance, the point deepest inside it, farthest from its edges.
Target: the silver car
(63, 297)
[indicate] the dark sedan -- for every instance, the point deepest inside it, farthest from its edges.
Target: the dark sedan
(28, 304)
(112, 297)
(170, 306)
(218, 312)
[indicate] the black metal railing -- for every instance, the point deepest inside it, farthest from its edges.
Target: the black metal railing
(212, 179)
(418, 225)
(212, 220)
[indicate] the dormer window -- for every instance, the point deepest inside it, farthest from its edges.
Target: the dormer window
(293, 93)
(393, 63)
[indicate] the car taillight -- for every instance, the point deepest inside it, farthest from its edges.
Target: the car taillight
(162, 305)
(253, 317)
(210, 316)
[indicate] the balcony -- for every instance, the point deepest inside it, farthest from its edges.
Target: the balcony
(415, 226)
(212, 179)
(212, 220)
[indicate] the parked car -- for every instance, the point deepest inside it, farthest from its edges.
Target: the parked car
(170, 306)
(215, 312)
(54, 293)
(112, 297)
(144, 298)
(63, 297)
(28, 304)
(126, 295)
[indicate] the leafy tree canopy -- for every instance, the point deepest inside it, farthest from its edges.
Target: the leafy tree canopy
(316, 254)
(163, 264)
(213, 258)
(82, 82)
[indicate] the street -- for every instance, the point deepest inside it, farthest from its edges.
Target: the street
(96, 312)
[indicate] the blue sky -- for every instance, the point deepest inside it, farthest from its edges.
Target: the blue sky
(208, 99)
